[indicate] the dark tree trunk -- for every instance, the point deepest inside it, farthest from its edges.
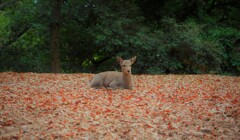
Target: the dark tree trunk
(54, 28)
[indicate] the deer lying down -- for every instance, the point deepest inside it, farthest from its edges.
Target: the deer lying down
(114, 79)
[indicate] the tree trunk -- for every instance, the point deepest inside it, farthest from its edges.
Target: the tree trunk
(54, 28)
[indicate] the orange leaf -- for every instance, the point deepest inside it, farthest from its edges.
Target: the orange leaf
(64, 99)
(128, 97)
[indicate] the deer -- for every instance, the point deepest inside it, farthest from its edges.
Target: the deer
(114, 79)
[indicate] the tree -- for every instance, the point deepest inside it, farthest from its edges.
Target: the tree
(54, 28)
(176, 36)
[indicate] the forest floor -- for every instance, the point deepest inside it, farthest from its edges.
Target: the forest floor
(62, 106)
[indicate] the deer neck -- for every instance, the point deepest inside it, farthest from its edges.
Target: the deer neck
(127, 78)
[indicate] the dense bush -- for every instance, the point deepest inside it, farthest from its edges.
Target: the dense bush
(230, 54)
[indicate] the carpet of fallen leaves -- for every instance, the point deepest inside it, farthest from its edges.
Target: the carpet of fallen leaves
(60, 106)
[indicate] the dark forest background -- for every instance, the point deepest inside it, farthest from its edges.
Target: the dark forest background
(167, 36)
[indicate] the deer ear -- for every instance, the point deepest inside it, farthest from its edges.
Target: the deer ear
(133, 59)
(119, 59)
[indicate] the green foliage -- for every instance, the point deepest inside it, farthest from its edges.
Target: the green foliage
(27, 54)
(98, 34)
(226, 37)
(189, 49)
(24, 46)
(175, 36)
(3, 27)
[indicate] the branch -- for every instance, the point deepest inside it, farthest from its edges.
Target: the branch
(16, 35)
(101, 61)
(7, 4)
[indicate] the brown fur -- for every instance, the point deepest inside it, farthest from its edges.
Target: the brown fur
(113, 79)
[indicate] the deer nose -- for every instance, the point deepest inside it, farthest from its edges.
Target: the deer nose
(128, 70)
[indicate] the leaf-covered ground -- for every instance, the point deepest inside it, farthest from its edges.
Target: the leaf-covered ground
(59, 106)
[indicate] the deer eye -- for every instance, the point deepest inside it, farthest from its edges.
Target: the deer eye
(124, 65)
